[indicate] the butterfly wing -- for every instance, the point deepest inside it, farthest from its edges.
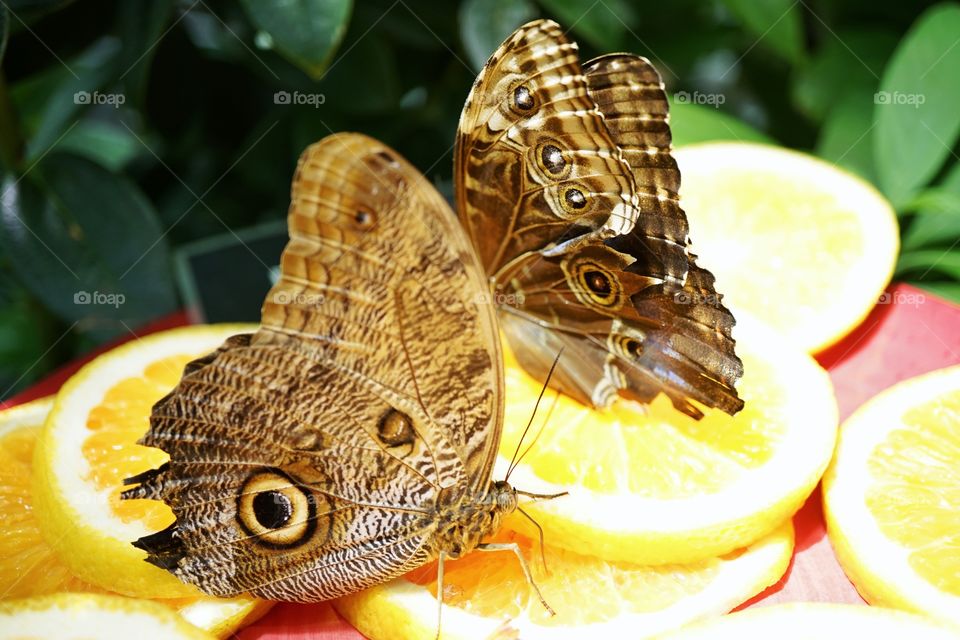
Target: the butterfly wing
(616, 288)
(534, 162)
(307, 460)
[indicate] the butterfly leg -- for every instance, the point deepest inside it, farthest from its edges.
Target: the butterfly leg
(513, 546)
(443, 556)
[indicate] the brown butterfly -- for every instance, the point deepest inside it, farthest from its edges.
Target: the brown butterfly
(567, 189)
(352, 437)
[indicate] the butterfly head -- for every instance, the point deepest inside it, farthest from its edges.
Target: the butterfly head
(503, 497)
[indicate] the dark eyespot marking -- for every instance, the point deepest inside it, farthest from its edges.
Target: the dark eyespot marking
(277, 512)
(633, 347)
(594, 284)
(383, 155)
(522, 98)
(575, 198)
(396, 428)
(365, 219)
(597, 282)
(272, 509)
(552, 158)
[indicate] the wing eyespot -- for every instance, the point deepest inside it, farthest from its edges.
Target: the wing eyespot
(275, 511)
(596, 285)
(574, 199)
(631, 347)
(551, 161)
(365, 219)
(523, 99)
(396, 428)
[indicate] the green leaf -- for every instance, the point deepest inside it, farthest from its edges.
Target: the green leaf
(76, 90)
(141, 24)
(916, 112)
(484, 24)
(948, 290)
(87, 243)
(4, 30)
(25, 337)
(849, 62)
(937, 220)
(109, 145)
(371, 59)
(927, 260)
(777, 24)
(845, 138)
(602, 24)
(306, 32)
(691, 123)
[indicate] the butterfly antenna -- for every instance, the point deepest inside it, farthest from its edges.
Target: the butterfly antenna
(513, 460)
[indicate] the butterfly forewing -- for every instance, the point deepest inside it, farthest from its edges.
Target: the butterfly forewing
(535, 164)
(309, 460)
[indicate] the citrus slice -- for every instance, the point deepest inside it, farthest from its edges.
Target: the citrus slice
(88, 447)
(648, 484)
(87, 615)
(802, 621)
(487, 596)
(30, 567)
(892, 496)
(797, 242)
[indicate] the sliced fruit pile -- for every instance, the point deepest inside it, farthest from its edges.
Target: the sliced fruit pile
(647, 484)
(37, 559)
(892, 496)
(78, 616)
(667, 520)
(822, 621)
(796, 242)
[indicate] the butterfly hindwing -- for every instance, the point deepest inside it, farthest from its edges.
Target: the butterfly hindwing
(307, 459)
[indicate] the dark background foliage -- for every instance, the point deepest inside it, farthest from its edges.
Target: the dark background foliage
(131, 127)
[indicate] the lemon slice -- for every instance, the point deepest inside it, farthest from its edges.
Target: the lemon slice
(30, 567)
(805, 621)
(88, 447)
(651, 485)
(798, 243)
(487, 596)
(79, 616)
(892, 496)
